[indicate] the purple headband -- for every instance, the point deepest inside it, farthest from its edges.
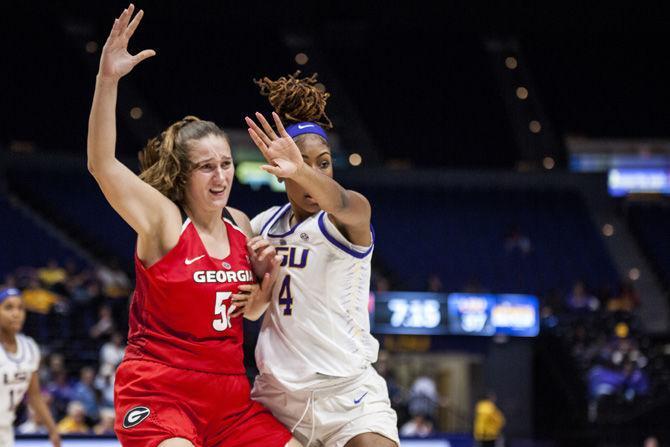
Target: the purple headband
(8, 292)
(306, 127)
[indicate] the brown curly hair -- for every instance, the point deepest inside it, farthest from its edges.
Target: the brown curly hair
(297, 99)
(164, 162)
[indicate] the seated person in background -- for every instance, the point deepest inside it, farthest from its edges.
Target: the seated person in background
(39, 300)
(52, 274)
(419, 426)
(74, 422)
(625, 301)
(105, 325)
(33, 425)
(106, 424)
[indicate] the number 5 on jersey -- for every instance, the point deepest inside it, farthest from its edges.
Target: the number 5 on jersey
(222, 323)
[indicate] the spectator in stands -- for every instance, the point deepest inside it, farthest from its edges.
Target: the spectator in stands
(37, 299)
(112, 352)
(74, 422)
(104, 383)
(419, 426)
(489, 421)
(55, 366)
(625, 301)
(39, 303)
(423, 398)
(579, 301)
(60, 390)
(396, 394)
(84, 392)
(86, 298)
(106, 424)
(52, 274)
(105, 325)
(115, 283)
(636, 381)
(33, 425)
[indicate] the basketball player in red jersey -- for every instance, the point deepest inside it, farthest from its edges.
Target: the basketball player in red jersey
(182, 382)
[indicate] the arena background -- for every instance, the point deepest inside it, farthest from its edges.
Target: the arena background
(517, 159)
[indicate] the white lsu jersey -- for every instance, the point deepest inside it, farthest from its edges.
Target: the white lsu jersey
(16, 370)
(317, 326)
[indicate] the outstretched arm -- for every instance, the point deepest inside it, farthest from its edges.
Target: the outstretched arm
(143, 207)
(350, 210)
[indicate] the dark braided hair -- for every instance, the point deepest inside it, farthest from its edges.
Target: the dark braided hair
(297, 99)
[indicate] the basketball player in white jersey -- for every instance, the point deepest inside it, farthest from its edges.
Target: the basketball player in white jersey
(315, 350)
(19, 362)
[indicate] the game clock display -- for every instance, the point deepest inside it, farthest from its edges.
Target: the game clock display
(455, 314)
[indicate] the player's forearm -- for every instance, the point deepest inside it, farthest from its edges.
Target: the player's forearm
(347, 206)
(102, 123)
(42, 411)
(257, 309)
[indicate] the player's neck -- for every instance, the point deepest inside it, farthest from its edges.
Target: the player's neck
(207, 221)
(297, 215)
(8, 340)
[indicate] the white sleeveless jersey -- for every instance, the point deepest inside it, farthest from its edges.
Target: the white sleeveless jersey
(317, 326)
(16, 370)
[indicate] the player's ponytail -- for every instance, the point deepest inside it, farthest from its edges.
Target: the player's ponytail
(164, 162)
(297, 99)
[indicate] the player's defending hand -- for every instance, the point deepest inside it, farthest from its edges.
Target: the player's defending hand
(251, 300)
(261, 252)
(280, 151)
(116, 61)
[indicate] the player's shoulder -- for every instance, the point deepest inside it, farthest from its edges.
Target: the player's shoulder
(27, 339)
(262, 219)
(30, 345)
(239, 221)
(269, 213)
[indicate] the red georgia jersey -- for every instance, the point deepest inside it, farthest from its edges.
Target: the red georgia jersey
(180, 312)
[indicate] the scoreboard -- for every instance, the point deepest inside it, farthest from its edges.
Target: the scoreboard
(427, 313)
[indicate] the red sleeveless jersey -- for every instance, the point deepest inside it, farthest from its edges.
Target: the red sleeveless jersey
(180, 312)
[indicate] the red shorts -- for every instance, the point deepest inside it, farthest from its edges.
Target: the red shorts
(155, 402)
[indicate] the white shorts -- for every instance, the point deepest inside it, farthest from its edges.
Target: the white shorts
(7, 436)
(334, 413)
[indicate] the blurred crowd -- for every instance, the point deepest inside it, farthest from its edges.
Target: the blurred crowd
(76, 316)
(606, 341)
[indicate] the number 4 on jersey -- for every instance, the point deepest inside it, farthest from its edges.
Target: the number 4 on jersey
(285, 298)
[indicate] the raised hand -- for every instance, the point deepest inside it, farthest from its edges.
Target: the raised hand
(280, 151)
(115, 61)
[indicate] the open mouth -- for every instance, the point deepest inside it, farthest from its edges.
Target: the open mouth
(218, 192)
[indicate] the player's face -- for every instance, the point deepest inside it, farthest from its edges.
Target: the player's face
(211, 177)
(12, 315)
(316, 154)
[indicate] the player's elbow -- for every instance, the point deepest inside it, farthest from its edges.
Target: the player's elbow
(91, 167)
